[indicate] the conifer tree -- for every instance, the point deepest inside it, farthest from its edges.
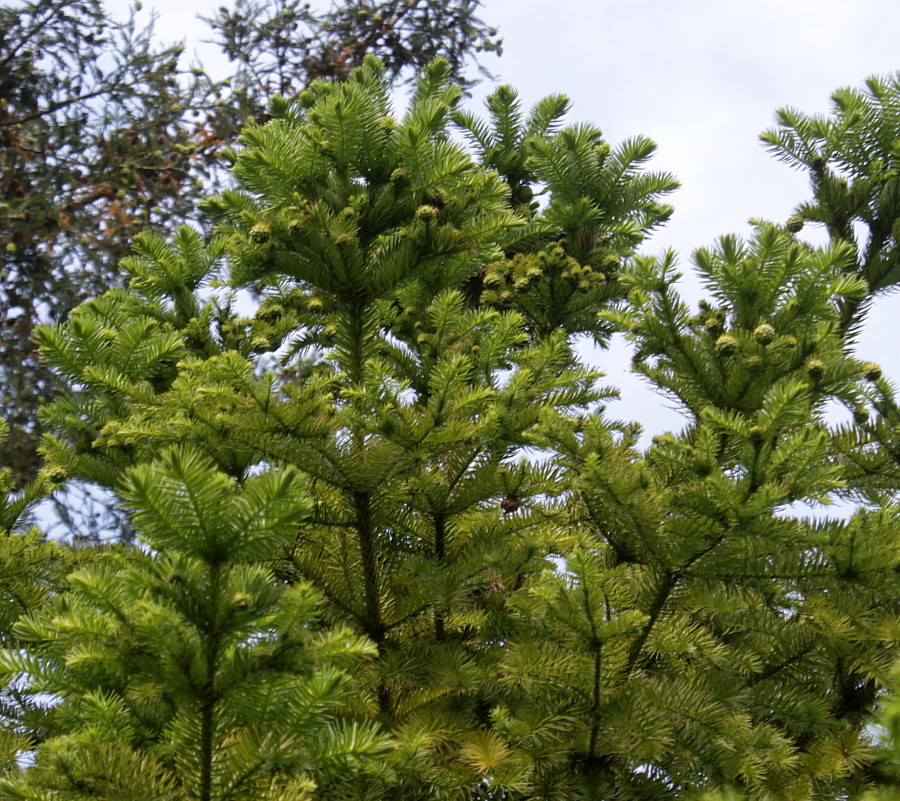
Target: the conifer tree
(851, 157)
(105, 133)
(189, 672)
(31, 570)
(364, 236)
(721, 639)
(554, 613)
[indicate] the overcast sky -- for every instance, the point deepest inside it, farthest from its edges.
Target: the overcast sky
(703, 79)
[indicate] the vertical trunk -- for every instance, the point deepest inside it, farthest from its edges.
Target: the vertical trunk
(373, 622)
(440, 545)
(208, 699)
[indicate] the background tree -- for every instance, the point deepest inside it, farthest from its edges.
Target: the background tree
(92, 150)
(272, 44)
(104, 133)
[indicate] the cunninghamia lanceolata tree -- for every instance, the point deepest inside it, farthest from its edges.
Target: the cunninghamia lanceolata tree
(722, 639)
(852, 157)
(408, 401)
(31, 571)
(103, 134)
(601, 205)
(188, 671)
(596, 623)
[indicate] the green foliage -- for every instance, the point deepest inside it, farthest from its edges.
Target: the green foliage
(189, 672)
(771, 323)
(104, 134)
(601, 206)
(31, 571)
(720, 638)
(889, 753)
(405, 425)
(852, 157)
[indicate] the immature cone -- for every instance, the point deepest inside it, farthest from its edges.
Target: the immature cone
(260, 232)
(400, 178)
(764, 333)
(524, 194)
(726, 345)
(871, 371)
(795, 224)
(815, 368)
(426, 212)
(55, 475)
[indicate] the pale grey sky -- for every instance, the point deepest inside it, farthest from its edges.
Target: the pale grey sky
(703, 79)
